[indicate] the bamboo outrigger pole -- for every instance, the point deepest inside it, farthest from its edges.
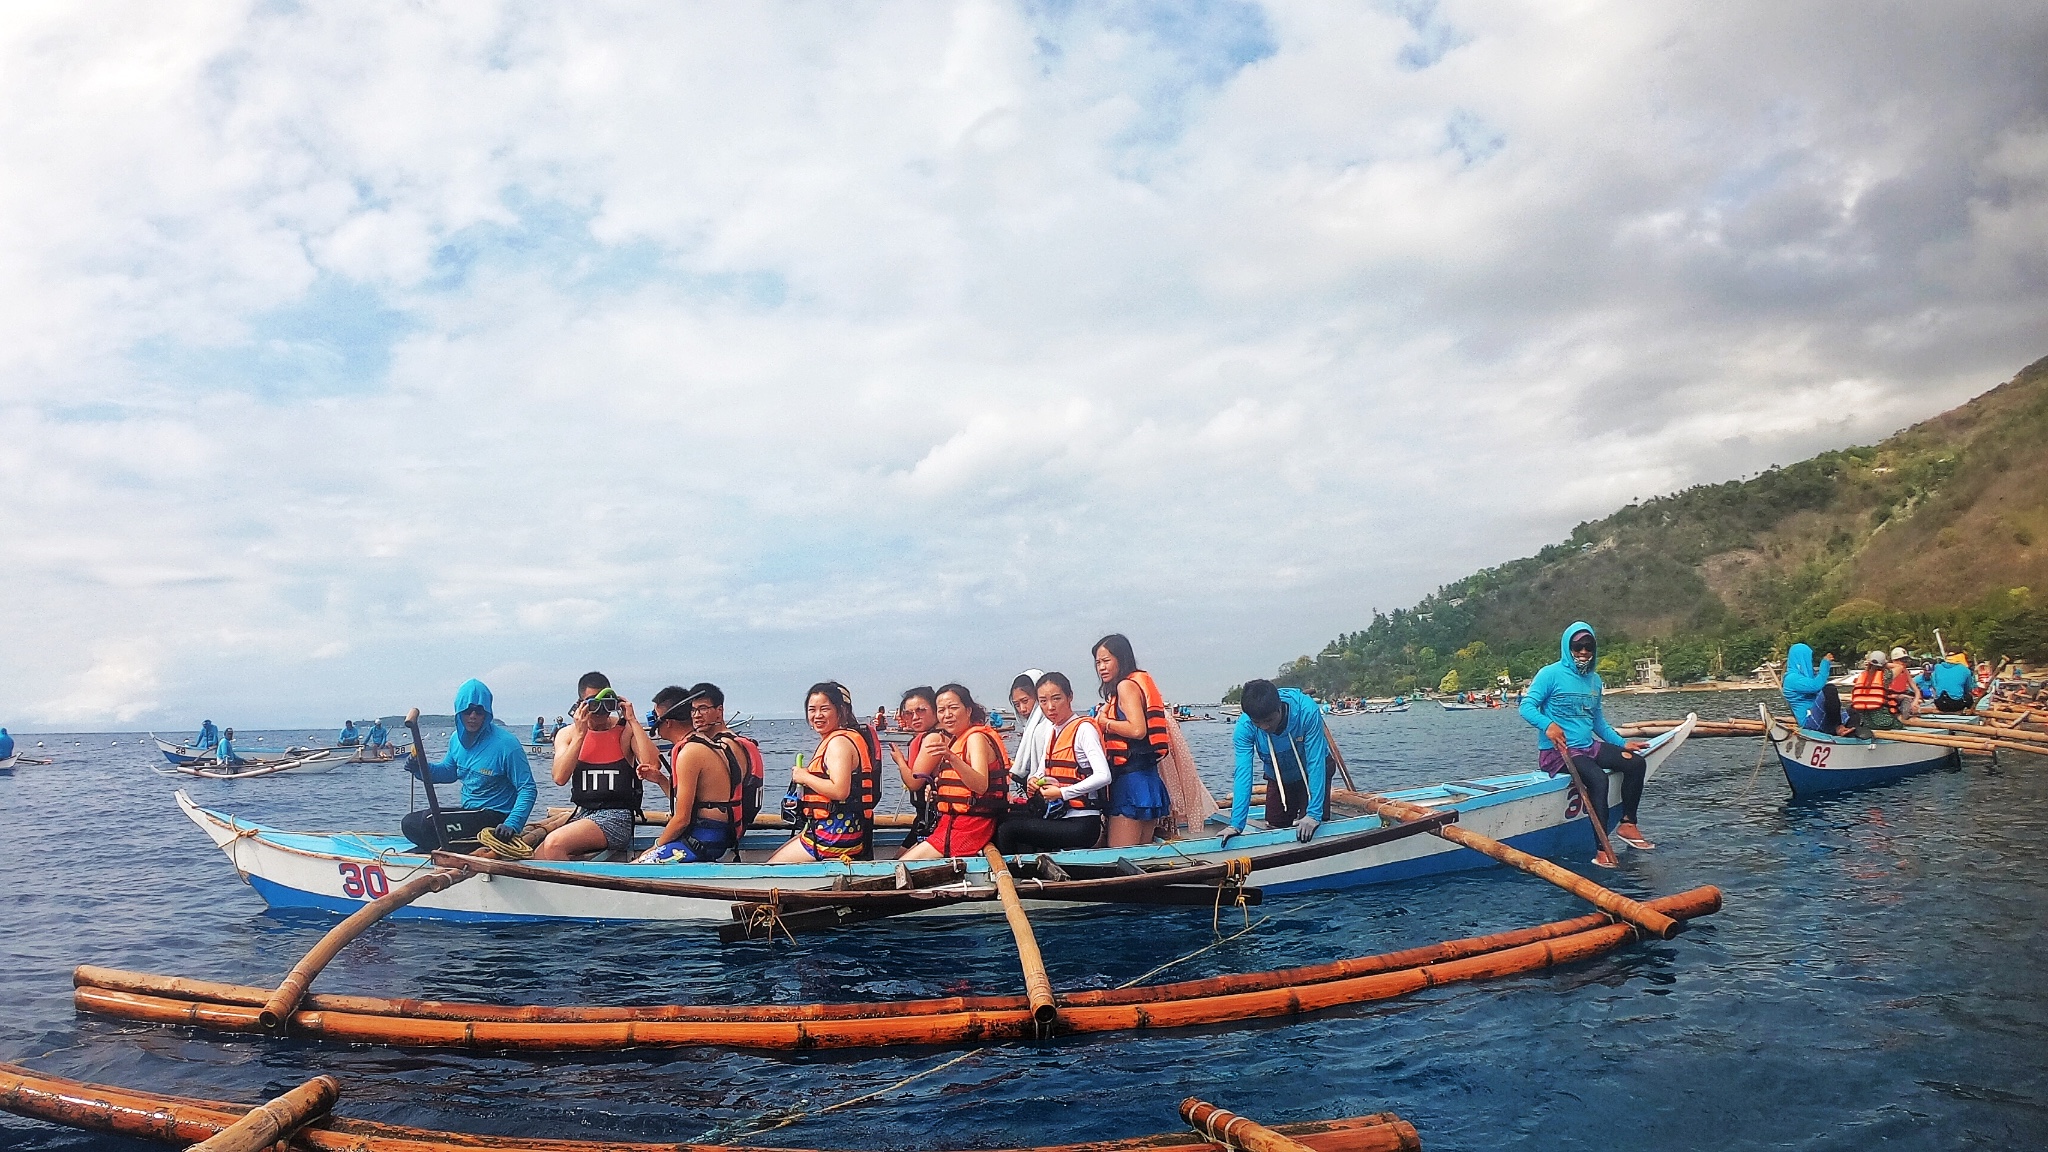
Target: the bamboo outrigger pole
(276, 1121)
(1037, 985)
(1233, 1131)
(283, 1002)
(1611, 902)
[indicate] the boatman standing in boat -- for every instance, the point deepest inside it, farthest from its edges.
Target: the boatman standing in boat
(1563, 704)
(1283, 728)
(497, 785)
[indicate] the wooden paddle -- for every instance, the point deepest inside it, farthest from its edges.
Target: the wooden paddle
(1343, 769)
(426, 774)
(1586, 798)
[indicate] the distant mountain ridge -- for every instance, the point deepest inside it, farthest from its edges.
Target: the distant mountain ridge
(1942, 525)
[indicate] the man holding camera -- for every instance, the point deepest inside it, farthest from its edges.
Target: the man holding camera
(599, 756)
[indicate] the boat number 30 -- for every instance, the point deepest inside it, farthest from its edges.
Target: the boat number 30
(1820, 755)
(364, 880)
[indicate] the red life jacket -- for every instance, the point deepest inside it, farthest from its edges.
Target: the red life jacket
(955, 797)
(1063, 764)
(1146, 754)
(604, 777)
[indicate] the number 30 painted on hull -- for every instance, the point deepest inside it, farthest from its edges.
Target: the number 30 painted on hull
(359, 880)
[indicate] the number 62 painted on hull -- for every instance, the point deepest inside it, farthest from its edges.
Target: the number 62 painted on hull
(359, 880)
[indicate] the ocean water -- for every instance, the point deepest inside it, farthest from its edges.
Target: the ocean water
(1877, 976)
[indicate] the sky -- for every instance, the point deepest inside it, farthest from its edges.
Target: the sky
(355, 350)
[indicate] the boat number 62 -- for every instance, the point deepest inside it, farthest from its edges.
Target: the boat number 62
(1820, 755)
(364, 880)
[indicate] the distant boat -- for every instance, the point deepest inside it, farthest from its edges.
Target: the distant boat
(1454, 706)
(187, 756)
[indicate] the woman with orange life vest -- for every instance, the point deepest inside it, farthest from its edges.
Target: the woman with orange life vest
(1071, 785)
(918, 715)
(1133, 722)
(837, 789)
(1870, 698)
(970, 788)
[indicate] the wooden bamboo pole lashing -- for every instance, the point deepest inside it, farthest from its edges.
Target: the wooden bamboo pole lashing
(292, 988)
(1685, 905)
(1037, 985)
(1233, 1131)
(179, 1121)
(278, 1120)
(1635, 912)
(1197, 1003)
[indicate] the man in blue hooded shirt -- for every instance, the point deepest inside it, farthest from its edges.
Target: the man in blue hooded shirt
(497, 784)
(349, 736)
(225, 750)
(1803, 682)
(208, 736)
(1283, 728)
(6, 744)
(1563, 704)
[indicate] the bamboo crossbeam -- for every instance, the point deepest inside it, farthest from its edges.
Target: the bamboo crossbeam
(1037, 985)
(1988, 732)
(179, 1121)
(1188, 1004)
(278, 1120)
(1234, 1131)
(1607, 900)
(285, 1000)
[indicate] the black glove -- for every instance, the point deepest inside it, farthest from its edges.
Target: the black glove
(1229, 834)
(1305, 831)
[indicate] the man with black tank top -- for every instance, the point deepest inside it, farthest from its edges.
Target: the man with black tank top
(599, 756)
(707, 771)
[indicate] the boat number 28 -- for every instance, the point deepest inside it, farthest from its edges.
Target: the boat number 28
(364, 880)
(1820, 755)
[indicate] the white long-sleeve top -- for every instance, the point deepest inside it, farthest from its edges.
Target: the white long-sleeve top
(1089, 751)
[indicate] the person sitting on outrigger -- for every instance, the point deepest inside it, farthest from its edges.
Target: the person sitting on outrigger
(208, 736)
(497, 785)
(704, 779)
(1133, 719)
(833, 798)
(1563, 705)
(599, 756)
(540, 729)
(349, 737)
(224, 751)
(918, 763)
(1071, 784)
(1298, 765)
(971, 788)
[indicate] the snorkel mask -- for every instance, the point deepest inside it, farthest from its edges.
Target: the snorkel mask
(1582, 652)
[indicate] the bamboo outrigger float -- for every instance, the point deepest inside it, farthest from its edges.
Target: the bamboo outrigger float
(960, 1019)
(300, 1120)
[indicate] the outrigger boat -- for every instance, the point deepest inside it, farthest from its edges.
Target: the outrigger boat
(187, 756)
(1816, 763)
(341, 872)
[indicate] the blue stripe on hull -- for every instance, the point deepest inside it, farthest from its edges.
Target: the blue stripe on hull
(1807, 780)
(1570, 841)
(279, 896)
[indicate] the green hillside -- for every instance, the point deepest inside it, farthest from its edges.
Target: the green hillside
(1943, 525)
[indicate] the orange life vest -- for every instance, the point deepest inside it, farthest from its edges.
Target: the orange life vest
(1063, 764)
(955, 797)
(1868, 693)
(860, 801)
(1148, 752)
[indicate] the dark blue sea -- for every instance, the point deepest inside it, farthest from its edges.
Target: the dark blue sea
(1877, 977)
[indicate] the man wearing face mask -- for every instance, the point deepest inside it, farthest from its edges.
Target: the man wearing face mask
(1563, 703)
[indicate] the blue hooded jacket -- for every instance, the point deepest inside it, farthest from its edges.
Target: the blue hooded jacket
(208, 735)
(490, 763)
(1803, 681)
(1306, 753)
(1952, 679)
(6, 744)
(1560, 695)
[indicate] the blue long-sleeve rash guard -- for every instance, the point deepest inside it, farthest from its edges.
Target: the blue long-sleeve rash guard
(1300, 746)
(491, 764)
(1803, 682)
(1560, 695)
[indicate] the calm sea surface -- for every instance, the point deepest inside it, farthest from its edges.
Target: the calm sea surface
(1876, 978)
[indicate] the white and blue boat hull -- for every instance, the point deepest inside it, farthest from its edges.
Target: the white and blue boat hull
(1816, 764)
(340, 872)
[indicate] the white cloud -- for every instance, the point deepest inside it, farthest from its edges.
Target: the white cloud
(356, 349)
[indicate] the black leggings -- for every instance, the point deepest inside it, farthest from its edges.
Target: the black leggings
(1614, 758)
(1034, 833)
